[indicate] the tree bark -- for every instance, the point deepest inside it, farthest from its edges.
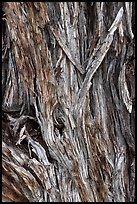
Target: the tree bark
(68, 105)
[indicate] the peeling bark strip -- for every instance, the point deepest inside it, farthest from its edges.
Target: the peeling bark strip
(124, 90)
(66, 50)
(63, 139)
(96, 60)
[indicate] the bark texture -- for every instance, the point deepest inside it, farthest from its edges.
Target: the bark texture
(68, 102)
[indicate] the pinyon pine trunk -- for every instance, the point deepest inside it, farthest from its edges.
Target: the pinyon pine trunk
(68, 102)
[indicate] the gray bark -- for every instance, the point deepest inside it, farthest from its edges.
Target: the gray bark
(68, 102)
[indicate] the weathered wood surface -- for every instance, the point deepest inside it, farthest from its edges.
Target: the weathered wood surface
(68, 102)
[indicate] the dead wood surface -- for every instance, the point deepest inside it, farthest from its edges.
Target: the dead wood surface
(68, 102)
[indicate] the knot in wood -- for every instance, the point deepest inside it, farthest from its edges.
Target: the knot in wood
(58, 116)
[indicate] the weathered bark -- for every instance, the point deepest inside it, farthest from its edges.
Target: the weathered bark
(68, 101)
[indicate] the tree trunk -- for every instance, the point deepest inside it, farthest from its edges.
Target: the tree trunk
(68, 101)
